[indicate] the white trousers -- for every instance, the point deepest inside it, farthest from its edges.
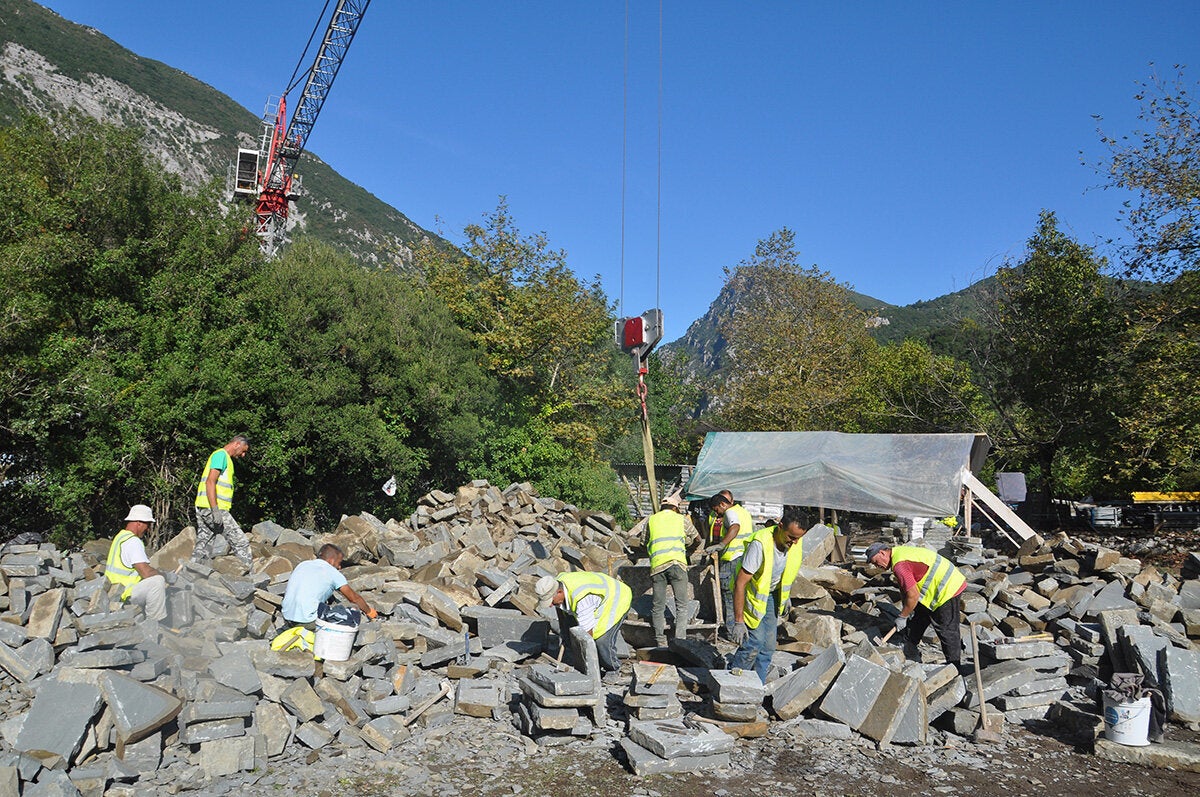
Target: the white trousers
(151, 595)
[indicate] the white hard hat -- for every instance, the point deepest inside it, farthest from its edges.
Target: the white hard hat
(546, 588)
(674, 499)
(140, 512)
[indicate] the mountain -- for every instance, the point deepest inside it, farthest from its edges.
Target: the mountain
(49, 64)
(701, 352)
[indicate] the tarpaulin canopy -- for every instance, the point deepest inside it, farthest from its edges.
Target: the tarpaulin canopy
(887, 474)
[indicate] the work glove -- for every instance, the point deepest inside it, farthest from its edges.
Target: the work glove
(787, 607)
(901, 622)
(716, 546)
(372, 614)
(739, 633)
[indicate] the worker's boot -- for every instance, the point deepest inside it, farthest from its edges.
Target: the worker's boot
(660, 641)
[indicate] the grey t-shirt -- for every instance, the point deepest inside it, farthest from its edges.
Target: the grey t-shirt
(752, 560)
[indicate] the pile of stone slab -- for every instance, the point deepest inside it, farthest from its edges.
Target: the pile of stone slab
(94, 695)
(677, 745)
(735, 695)
(654, 692)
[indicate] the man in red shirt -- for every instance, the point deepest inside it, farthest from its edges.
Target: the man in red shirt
(931, 586)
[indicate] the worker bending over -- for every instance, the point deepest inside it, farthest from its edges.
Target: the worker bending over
(595, 602)
(311, 585)
(761, 589)
(931, 587)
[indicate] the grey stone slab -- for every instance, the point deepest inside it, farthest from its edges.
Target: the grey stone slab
(799, 689)
(304, 703)
(552, 719)
(392, 704)
(1180, 680)
(223, 757)
(643, 762)
(581, 651)
(45, 614)
(1141, 646)
(12, 634)
(650, 701)
(52, 784)
(1007, 703)
(855, 690)
(571, 682)
(201, 732)
(235, 669)
(143, 756)
(545, 698)
(137, 709)
(59, 718)
(900, 706)
(448, 653)
(1019, 650)
(101, 659)
(998, 680)
(497, 626)
(272, 726)
(820, 729)
(283, 663)
(735, 712)
(736, 686)
(16, 665)
(674, 738)
(651, 678)
(204, 711)
(1176, 755)
(476, 698)
(945, 698)
(314, 735)
(10, 782)
(89, 623)
(1112, 596)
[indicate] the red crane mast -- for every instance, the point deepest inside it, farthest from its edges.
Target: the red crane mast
(267, 175)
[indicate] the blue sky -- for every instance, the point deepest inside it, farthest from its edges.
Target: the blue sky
(910, 146)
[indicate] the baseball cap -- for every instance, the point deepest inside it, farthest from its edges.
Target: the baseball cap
(546, 588)
(875, 548)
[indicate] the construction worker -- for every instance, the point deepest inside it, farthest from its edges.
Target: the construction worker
(931, 586)
(312, 583)
(761, 589)
(730, 527)
(668, 534)
(128, 565)
(595, 602)
(214, 497)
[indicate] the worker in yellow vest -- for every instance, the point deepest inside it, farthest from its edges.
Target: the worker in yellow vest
(730, 527)
(128, 565)
(214, 498)
(931, 586)
(596, 603)
(668, 534)
(762, 588)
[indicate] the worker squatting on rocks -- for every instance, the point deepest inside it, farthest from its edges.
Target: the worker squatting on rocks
(128, 565)
(214, 497)
(931, 586)
(762, 587)
(595, 602)
(730, 527)
(668, 533)
(311, 585)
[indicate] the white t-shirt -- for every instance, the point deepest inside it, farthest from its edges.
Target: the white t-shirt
(133, 552)
(732, 519)
(752, 560)
(586, 610)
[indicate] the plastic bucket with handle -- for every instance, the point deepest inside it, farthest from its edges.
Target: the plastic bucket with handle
(1127, 723)
(333, 642)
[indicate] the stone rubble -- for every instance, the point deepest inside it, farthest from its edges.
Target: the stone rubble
(98, 700)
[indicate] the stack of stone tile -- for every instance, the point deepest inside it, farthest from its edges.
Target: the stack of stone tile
(653, 692)
(677, 745)
(559, 705)
(735, 695)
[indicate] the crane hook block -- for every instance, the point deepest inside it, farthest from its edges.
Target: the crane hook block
(638, 335)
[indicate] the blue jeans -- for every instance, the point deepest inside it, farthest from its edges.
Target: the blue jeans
(756, 652)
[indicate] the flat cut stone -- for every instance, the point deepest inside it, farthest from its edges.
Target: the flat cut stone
(998, 680)
(571, 682)
(820, 729)
(272, 727)
(235, 669)
(799, 689)
(201, 732)
(674, 738)
(1180, 675)
(643, 762)
(224, 757)
(736, 686)
(1163, 755)
(137, 709)
(552, 719)
(314, 735)
(101, 659)
(735, 712)
(856, 689)
(304, 703)
(283, 663)
(544, 698)
(497, 626)
(216, 710)
(45, 613)
(476, 699)
(651, 678)
(897, 700)
(58, 719)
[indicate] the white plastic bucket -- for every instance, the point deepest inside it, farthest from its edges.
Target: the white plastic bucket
(333, 642)
(1127, 723)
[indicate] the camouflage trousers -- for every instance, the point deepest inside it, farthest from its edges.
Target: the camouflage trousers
(209, 523)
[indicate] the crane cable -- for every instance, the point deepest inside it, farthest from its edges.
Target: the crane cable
(296, 77)
(643, 389)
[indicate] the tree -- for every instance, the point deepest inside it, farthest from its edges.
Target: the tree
(1160, 164)
(796, 342)
(1056, 328)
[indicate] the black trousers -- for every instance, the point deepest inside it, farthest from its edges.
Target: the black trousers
(945, 621)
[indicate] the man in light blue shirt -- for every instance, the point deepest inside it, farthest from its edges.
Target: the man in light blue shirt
(313, 582)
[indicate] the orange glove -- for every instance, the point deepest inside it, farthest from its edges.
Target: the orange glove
(372, 614)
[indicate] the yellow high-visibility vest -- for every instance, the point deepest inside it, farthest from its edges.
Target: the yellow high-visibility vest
(224, 484)
(667, 540)
(615, 597)
(745, 531)
(759, 587)
(942, 580)
(115, 569)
